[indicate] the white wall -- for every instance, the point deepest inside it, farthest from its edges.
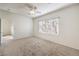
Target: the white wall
(21, 26)
(5, 22)
(6, 26)
(68, 27)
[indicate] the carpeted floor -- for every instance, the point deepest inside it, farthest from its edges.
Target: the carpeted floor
(34, 46)
(6, 39)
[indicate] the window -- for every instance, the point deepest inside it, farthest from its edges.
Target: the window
(49, 26)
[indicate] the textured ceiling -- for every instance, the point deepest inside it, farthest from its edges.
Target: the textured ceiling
(24, 8)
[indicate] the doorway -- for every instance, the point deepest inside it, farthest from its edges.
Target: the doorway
(7, 31)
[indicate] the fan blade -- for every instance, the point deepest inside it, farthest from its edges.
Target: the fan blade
(38, 11)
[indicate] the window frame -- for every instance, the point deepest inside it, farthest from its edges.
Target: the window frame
(56, 28)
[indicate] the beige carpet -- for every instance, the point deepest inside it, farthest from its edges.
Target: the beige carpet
(36, 47)
(6, 39)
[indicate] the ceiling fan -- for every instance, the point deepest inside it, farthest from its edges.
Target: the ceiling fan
(26, 8)
(32, 9)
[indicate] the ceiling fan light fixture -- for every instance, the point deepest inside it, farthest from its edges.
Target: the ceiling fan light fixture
(32, 12)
